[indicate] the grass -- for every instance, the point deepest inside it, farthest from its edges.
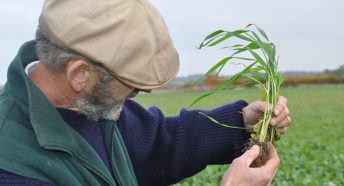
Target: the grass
(312, 152)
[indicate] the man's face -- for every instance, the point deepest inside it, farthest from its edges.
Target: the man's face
(106, 99)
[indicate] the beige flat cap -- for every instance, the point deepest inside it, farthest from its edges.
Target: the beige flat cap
(128, 36)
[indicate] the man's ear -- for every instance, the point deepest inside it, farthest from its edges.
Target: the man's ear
(78, 73)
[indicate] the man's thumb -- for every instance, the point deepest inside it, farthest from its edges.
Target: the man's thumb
(251, 155)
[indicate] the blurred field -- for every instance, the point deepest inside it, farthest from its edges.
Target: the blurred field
(312, 153)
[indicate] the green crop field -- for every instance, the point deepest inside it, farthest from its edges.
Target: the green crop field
(311, 153)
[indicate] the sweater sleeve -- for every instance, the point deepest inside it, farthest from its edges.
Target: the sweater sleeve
(165, 150)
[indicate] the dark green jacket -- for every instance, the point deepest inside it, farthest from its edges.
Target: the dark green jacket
(35, 142)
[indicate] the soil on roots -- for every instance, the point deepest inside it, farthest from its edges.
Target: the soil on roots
(263, 156)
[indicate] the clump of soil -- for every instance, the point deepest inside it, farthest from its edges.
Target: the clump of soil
(263, 156)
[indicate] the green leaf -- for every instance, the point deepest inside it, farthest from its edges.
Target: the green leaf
(261, 31)
(252, 46)
(252, 78)
(211, 37)
(266, 47)
(219, 65)
(220, 69)
(214, 34)
(206, 42)
(232, 47)
(257, 57)
(249, 25)
(243, 58)
(237, 45)
(227, 36)
(258, 69)
(221, 124)
(212, 69)
(272, 53)
(244, 38)
(200, 98)
(225, 83)
(220, 40)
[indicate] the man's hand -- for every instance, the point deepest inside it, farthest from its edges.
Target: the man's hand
(254, 111)
(240, 173)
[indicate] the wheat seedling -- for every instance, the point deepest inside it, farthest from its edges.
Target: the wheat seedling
(260, 68)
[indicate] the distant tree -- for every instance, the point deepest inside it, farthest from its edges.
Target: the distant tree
(337, 72)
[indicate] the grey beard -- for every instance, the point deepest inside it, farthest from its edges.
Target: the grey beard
(101, 103)
(97, 112)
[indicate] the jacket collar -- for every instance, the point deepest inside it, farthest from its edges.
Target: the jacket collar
(48, 125)
(51, 131)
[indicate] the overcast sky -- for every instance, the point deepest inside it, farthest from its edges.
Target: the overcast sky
(308, 33)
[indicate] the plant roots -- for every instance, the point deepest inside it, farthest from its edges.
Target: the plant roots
(263, 156)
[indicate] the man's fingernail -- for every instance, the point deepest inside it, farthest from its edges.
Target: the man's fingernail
(273, 122)
(255, 147)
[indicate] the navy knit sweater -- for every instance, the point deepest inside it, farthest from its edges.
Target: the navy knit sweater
(163, 150)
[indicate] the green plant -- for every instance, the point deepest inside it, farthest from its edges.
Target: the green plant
(261, 70)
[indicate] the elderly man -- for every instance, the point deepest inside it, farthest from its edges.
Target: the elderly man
(65, 116)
